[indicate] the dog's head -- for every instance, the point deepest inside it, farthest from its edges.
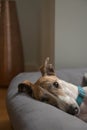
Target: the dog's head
(49, 88)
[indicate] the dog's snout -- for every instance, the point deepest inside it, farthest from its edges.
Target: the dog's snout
(73, 110)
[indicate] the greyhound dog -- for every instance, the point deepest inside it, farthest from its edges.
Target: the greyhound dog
(52, 90)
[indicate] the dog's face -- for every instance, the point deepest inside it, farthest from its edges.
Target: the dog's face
(63, 97)
(49, 88)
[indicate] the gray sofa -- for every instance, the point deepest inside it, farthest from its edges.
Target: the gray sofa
(26, 113)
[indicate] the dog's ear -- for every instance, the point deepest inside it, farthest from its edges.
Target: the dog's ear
(47, 69)
(30, 89)
(26, 87)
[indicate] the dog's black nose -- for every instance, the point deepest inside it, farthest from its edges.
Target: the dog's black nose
(73, 110)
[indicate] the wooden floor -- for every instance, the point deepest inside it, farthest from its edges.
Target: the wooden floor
(4, 119)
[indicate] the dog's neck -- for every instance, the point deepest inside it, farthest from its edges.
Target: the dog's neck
(83, 107)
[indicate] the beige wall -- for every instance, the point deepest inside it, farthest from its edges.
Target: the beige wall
(36, 18)
(29, 19)
(70, 33)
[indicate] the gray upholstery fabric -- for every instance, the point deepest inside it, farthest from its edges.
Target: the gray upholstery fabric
(28, 114)
(74, 76)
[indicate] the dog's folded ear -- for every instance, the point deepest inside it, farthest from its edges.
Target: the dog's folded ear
(47, 69)
(26, 87)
